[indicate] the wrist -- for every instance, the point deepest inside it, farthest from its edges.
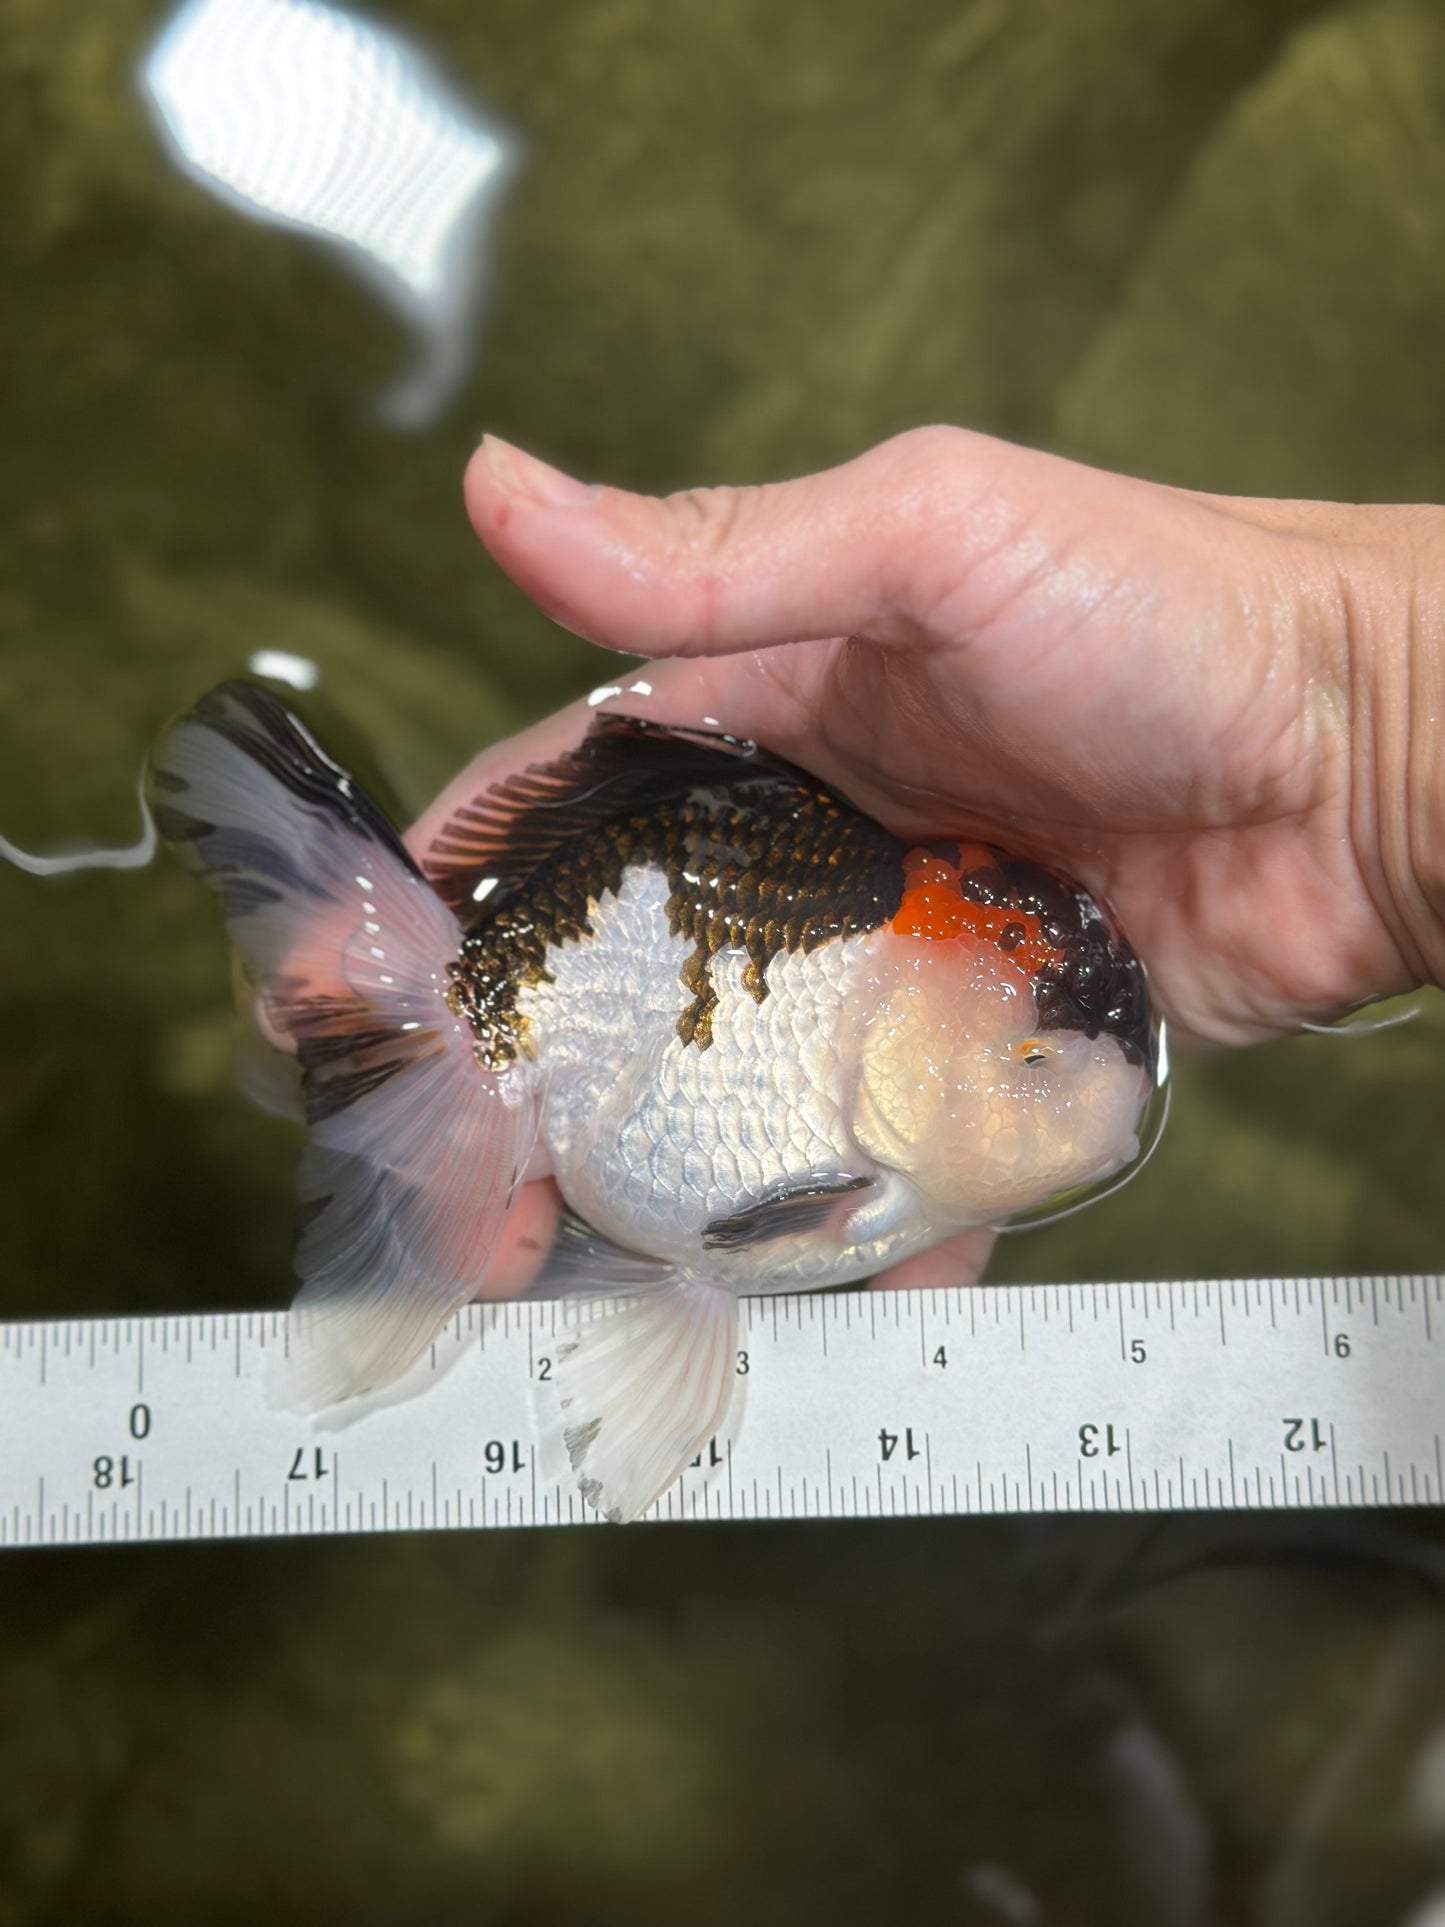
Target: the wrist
(1395, 616)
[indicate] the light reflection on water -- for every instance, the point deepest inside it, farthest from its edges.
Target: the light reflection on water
(282, 666)
(309, 117)
(59, 863)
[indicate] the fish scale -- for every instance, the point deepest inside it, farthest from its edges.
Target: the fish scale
(694, 1134)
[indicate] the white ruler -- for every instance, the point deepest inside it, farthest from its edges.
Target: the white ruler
(1051, 1398)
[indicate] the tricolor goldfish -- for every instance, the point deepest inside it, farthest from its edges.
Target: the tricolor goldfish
(760, 1043)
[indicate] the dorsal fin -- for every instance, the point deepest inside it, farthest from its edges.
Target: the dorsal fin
(623, 764)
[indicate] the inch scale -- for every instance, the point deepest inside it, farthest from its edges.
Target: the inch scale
(1226, 1394)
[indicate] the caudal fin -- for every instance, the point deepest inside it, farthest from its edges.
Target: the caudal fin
(414, 1151)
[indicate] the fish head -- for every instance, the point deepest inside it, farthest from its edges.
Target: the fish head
(960, 1090)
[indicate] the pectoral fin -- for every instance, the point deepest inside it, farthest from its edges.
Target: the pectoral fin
(643, 1386)
(782, 1212)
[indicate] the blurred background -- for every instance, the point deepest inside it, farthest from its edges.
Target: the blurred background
(711, 240)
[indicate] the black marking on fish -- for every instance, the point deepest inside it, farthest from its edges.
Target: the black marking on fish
(253, 721)
(579, 1438)
(345, 1049)
(759, 857)
(1098, 985)
(345, 1065)
(782, 1212)
(591, 1490)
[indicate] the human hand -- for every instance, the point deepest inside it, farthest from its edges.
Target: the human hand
(1215, 712)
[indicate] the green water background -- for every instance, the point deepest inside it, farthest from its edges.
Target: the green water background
(1203, 241)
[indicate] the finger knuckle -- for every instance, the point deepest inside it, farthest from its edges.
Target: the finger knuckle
(704, 522)
(709, 531)
(936, 445)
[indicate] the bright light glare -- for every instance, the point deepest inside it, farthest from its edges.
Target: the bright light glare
(303, 115)
(281, 666)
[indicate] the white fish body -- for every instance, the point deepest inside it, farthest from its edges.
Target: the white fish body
(654, 1141)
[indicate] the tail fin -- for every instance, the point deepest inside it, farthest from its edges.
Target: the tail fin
(414, 1150)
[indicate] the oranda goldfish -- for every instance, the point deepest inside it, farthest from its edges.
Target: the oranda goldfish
(760, 1043)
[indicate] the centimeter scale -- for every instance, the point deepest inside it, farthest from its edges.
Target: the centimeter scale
(1239, 1393)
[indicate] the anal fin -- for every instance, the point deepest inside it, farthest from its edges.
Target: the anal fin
(643, 1386)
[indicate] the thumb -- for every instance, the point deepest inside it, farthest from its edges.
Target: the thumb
(899, 545)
